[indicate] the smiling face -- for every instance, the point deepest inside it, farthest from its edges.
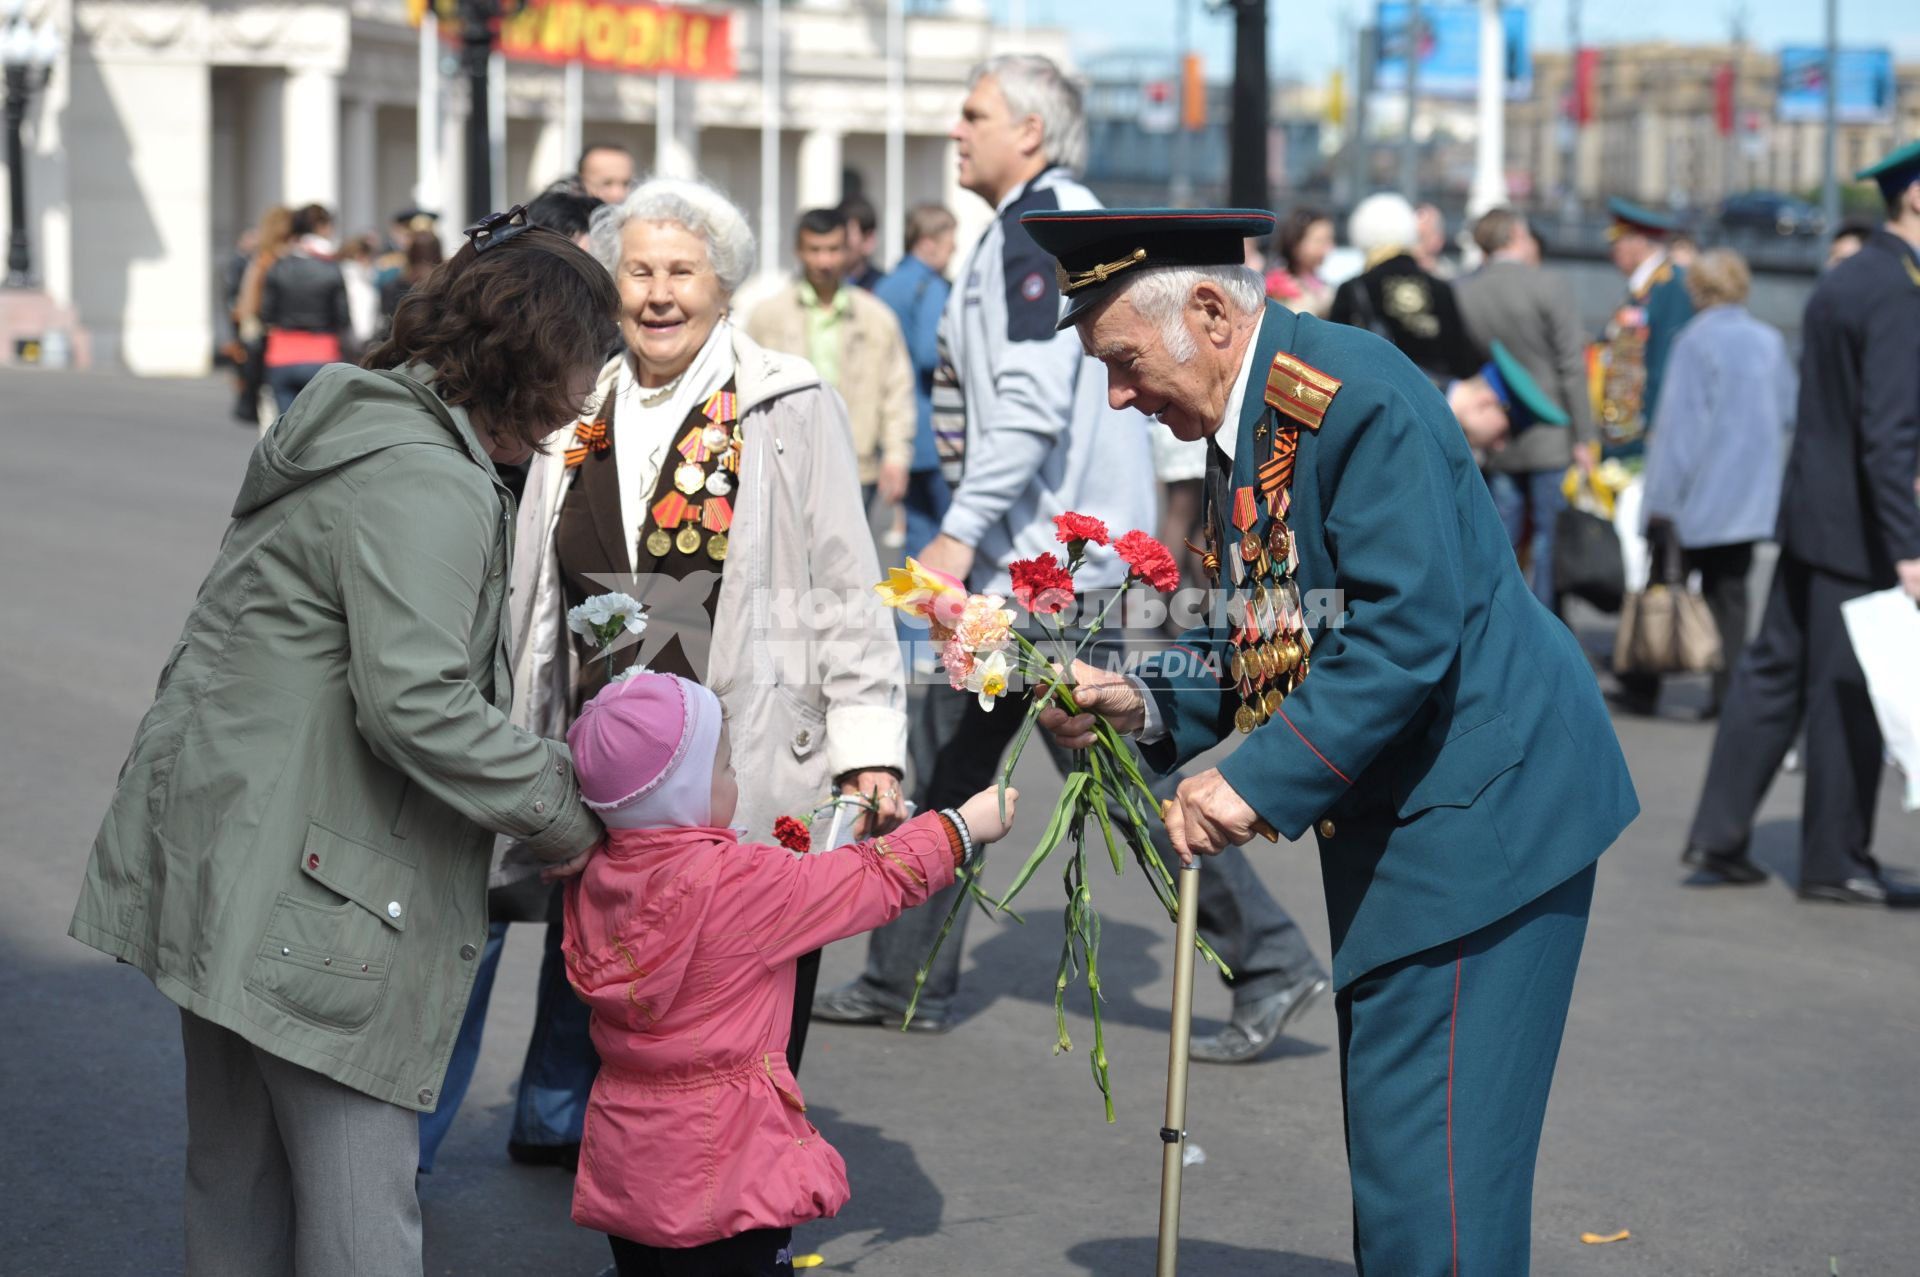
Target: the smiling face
(1188, 396)
(670, 299)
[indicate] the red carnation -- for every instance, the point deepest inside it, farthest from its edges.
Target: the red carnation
(792, 835)
(1041, 585)
(1076, 530)
(1149, 560)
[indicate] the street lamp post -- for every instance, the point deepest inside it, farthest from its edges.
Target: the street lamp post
(479, 20)
(29, 56)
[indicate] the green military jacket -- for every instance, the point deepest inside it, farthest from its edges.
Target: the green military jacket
(298, 846)
(1448, 746)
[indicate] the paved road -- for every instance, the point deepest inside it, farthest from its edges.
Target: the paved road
(1737, 1085)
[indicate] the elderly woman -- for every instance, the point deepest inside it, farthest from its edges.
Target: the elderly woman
(715, 481)
(1719, 437)
(295, 852)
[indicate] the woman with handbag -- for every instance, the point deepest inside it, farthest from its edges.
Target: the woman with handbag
(1714, 457)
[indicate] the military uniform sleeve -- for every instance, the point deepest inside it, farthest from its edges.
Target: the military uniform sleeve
(1393, 530)
(1890, 419)
(1187, 683)
(1668, 311)
(412, 558)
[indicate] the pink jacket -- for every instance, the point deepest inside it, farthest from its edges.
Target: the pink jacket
(683, 941)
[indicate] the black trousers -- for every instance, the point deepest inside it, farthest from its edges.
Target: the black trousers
(1800, 668)
(764, 1252)
(1723, 573)
(957, 749)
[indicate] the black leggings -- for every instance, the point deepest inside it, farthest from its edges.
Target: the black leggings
(764, 1252)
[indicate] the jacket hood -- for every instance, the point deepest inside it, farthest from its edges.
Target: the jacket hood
(634, 920)
(347, 413)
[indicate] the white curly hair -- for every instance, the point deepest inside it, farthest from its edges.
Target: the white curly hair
(699, 208)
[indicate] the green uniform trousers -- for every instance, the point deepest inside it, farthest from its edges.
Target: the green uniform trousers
(1446, 1058)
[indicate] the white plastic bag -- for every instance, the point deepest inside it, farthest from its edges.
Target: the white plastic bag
(1633, 542)
(1885, 629)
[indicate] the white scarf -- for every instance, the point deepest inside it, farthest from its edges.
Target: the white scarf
(647, 422)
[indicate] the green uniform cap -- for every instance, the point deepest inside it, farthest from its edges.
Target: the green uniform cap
(1095, 248)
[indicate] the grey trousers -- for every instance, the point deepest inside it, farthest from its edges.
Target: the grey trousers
(291, 1174)
(956, 748)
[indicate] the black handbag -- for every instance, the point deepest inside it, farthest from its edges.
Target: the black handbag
(1586, 559)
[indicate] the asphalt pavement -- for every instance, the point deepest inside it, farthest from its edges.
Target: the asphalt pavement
(1734, 1087)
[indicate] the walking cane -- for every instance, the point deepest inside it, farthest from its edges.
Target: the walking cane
(1174, 1134)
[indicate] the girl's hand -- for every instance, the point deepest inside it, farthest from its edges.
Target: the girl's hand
(570, 868)
(982, 814)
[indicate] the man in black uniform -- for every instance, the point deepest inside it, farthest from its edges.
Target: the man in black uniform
(1849, 525)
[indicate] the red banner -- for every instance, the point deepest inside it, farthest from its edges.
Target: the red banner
(614, 35)
(1586, 65)
(1723, 99)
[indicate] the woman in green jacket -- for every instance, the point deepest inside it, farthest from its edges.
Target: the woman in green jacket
(297, 850)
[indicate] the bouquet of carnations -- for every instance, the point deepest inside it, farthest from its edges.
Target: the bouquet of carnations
(1105, 801)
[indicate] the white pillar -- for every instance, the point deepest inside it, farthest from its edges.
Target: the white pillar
(893, 213)
(1490, 147)
(360, 169)
(310, 137)
(428, 183)
(770, 54)
(573, 115)
(817, 183)
(676, 130)
(497, 128)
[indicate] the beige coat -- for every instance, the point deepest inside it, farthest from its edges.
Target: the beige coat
(876, 376)
(804, 657)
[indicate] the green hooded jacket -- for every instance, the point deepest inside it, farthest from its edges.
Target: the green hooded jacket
(298, 845)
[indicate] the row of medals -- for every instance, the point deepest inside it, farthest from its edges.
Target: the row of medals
(1269, 654)
(719, 444)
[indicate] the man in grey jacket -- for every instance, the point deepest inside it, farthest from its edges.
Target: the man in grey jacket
(1512, 300)
(1042, 440)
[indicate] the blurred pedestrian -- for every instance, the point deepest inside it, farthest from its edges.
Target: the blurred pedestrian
(564, 213)
(304, 307)
(1639, 335)
(1430, 242)
(366, 319)
(1510, 299)
(1848, 240)
(275, 233)
(1300, 248)
(422, 256)
(863, 241)
(1849, 525)
(1398, 298)
(605, 172)
(1714, 460)
(917, 290)
(296, 849)
(854, 342)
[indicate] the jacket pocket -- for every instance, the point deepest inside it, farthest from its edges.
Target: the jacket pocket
(1465, 765)
(328, 947)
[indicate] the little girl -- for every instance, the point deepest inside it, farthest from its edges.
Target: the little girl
(698, 1158)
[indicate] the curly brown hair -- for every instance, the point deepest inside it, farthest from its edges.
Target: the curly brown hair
(510, 333)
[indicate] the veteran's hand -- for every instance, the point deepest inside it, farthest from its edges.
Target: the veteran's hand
(947, 554)
(571, 868)
(1095, 691)
(883, 787)
(1205, 816)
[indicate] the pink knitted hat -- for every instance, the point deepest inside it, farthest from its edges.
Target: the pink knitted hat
(643, 750)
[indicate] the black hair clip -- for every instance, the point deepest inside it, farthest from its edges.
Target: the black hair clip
(497, 228)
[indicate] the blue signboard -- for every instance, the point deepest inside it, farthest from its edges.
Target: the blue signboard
(1864, 78)
(1449, 42)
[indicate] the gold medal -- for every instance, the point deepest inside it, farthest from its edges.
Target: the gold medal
(1245, 720)
(1272, 703)
(1261, 714)
(688, 541)
(1236, 665)
(689, 478)
(717, 547)
(658, 543)
(1279, 540)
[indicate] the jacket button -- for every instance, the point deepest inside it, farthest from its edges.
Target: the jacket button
(426, 1095)
(313, 861)
(539, 808)
(467, 952)
(802, 738)
(1326, 829)
(393, 908)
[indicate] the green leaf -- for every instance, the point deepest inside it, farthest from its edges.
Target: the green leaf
(1055, 831)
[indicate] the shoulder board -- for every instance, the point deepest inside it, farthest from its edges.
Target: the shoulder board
(1299, 390)
(1913, 272)
(1663, 274)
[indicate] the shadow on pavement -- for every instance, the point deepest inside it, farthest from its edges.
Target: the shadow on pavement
(1198, 1258)
(892, 1197)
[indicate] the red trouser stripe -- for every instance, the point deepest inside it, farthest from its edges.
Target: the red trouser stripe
(1453, 1026)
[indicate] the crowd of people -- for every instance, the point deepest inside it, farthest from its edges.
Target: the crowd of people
(572, 406)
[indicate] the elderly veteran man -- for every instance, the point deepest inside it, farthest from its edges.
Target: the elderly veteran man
(1396, 688)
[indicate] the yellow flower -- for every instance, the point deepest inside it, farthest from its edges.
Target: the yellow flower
(923, 592)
